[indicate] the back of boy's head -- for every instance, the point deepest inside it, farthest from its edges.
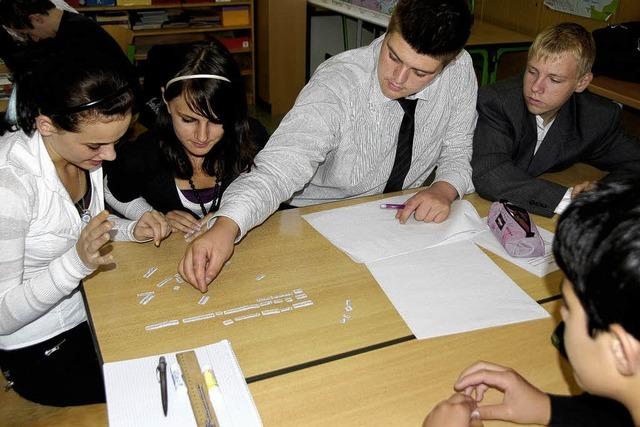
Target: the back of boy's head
(565, 38)
(438, 28)
(15, 13)
(597, 246)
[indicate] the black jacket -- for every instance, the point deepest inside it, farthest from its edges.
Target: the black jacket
(586, 410)
(587, 129)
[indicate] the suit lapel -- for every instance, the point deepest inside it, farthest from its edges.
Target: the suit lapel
(527, 141)
(559, 137)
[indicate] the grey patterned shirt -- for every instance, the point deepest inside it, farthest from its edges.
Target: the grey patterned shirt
(339, 140)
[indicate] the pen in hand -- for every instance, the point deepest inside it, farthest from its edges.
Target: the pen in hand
(161, 371)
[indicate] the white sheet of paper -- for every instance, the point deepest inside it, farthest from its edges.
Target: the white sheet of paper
(367, 233)
(451, 289)
(539, 266)
(133, 391)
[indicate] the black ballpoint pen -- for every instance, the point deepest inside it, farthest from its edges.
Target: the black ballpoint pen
(161, 370)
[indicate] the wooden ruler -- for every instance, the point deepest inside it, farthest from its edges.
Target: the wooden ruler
(197, 389)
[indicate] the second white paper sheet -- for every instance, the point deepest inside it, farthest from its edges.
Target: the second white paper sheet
(539, 266)
(367, 233)
(451, 289)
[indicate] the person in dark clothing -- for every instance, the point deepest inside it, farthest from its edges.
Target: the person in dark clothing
(202, 140)
(546, 121)
(38, 28)
(597, 246)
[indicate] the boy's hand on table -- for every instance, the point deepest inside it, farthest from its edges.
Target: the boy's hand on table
(205, 256)
(432, 204)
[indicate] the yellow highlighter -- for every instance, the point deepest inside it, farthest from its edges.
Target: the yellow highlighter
(209, 378)
(215, 395)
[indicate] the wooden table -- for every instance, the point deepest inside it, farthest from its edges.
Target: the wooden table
(285, 356)
(626, 93)
(398, 385)
(485, 33)
(292, 255)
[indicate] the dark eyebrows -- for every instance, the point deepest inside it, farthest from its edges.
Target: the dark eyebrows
(103, 143)
(399, 59)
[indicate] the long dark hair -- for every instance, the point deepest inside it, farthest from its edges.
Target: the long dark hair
(219, 101)
(71, 88)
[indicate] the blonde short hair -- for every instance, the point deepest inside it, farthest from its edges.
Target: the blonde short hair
(562, 38)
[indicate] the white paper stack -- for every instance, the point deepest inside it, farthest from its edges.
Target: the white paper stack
(434, 275)
(367, 233)
(452, 288)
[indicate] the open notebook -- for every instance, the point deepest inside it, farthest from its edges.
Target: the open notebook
(133, 391)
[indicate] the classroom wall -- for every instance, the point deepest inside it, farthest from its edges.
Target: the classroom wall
(327, 37)
(281, 31)
(531, 16)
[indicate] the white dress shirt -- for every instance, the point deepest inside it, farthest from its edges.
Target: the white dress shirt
(339, 140)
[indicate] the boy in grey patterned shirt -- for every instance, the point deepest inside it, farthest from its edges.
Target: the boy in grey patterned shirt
(339, 140)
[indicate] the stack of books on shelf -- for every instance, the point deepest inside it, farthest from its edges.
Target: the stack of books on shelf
(176, 19)
(150, 19)
(203, 18)
(113, 18)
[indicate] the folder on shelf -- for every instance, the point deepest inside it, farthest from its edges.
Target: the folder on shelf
(235, 16)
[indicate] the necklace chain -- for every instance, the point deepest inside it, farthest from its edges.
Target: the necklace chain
(85, 214)
(216, 196)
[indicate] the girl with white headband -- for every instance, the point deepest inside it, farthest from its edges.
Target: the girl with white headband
(202, 140)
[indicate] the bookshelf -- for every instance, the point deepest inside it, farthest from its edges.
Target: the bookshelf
(190, 22)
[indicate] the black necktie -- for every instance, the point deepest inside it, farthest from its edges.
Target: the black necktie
(405, 145)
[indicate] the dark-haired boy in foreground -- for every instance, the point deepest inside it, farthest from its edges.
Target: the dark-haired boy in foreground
(597, 246)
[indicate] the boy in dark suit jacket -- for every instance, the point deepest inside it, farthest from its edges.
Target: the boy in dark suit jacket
(546, 122)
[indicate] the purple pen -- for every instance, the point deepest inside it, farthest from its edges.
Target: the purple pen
(391, 206)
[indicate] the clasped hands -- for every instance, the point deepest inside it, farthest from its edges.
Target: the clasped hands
(521, 403)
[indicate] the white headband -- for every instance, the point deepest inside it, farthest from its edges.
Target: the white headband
(196, 76)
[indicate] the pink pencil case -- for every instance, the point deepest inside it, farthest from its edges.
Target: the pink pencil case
(515, 230)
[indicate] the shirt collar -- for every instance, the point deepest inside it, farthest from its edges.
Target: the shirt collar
(541, 125)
